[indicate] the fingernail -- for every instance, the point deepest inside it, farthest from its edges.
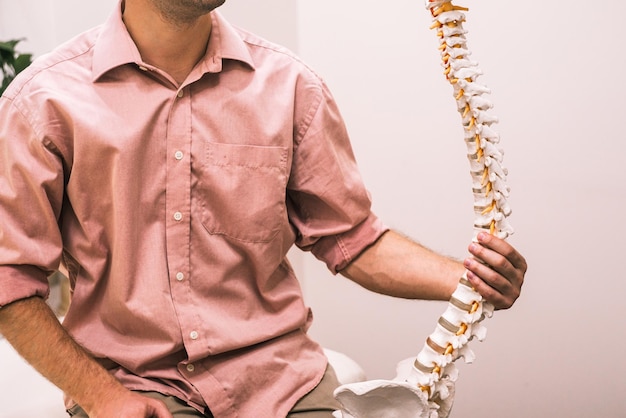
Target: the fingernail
(467, 263)
(482, 236)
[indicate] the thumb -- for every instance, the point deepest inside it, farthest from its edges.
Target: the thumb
(159, 410)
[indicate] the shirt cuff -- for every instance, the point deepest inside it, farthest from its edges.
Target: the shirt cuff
(337, 251)
(22, 282)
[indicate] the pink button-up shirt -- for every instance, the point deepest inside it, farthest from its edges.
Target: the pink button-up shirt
(173, 207)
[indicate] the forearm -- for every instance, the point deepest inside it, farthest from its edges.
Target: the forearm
(397, 266)
(33, 330)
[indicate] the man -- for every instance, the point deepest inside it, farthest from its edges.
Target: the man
(170, 161)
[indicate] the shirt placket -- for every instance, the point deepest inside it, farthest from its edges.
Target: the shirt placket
(178, 219)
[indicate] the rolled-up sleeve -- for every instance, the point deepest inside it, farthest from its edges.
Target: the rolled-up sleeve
(339, 250)
(328, 203)
(31, 190)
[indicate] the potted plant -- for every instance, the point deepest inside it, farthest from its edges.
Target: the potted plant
(11, 62)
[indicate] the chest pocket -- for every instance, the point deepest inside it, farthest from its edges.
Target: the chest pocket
(243, 191)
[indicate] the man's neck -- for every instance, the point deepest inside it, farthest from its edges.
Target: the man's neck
(172, 46)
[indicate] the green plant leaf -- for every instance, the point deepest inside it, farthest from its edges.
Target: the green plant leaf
(7, 57)
(11, 62)
(10, 45)
(21, 62)
(5, 83)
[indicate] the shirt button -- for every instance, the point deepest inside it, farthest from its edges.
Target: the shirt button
(180, 94)
(193, 335)
(191, 367)
(180, 276)
(178, 216)
(178, 155)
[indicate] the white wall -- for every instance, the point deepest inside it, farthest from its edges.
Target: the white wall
(276, 20)
(555, 71)
(47, 23)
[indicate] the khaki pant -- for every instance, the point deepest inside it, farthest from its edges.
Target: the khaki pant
(319, 403)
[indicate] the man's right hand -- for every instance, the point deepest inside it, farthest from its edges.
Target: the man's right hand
(36, 334)
(130, 405)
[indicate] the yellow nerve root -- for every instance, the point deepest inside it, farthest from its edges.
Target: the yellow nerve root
(448, 7)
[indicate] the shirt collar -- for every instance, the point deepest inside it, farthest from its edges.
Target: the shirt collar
(225, 42)
(114, 46)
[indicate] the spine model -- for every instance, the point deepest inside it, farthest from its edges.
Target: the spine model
(434, 370)
(424, 386)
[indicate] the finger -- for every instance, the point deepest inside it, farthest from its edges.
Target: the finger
(160, 410)
(491, 295)
(503, 248)
(489, 282)
(492, 273)
(489, 250)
